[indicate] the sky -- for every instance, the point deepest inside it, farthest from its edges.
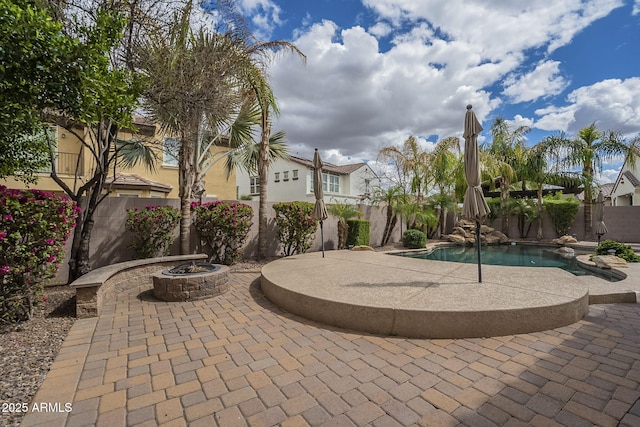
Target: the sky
(378, 71)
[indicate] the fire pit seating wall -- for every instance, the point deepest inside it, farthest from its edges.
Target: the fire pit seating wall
(101, 284)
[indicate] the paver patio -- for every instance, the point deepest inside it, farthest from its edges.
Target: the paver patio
(239, 360)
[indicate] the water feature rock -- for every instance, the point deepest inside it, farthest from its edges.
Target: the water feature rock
(609, 261)
(362, 248)
(465, 233)
(564, 240)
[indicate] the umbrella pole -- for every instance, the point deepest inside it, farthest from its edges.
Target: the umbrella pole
(478, 245)
(322, 237)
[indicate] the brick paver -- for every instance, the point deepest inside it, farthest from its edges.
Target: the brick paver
(239, 360)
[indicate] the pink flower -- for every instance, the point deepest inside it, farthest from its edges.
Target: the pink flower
(3, 234)
(5, 269)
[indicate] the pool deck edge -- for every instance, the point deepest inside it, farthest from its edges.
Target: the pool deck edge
(376, 293)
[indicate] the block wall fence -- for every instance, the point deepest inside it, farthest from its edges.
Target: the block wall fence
(111, 240)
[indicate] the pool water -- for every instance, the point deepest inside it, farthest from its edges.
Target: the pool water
(510, 255)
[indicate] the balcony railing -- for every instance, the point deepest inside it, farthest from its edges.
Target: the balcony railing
(68, 164)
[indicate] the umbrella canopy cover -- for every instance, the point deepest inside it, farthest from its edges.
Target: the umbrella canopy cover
(601, 228)
(474, 206)
(320, 210)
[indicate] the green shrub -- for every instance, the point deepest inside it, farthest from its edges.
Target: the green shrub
(296, 226)
(622, 250)
(414, 239)
(223, 227)
(152, 229)
(562, 213)
(34, 227)
(358, 232)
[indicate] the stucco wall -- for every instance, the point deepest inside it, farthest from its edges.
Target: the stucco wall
(110, 239)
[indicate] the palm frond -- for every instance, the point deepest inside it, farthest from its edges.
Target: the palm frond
(134, 151)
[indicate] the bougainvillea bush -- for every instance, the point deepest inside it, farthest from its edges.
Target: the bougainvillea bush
(296, 226)
(34, 227)
(153, 229)
(223, 227)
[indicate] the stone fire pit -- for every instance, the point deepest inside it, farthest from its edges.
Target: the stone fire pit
(188, 282)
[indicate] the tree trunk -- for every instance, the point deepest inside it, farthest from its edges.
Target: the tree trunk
(343, 232)
(539, 235)
(186, 180)
(504, 203)
(387, 225)
(263, 176)
(587, 218)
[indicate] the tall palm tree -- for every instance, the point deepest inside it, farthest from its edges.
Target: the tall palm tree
(505, 152)
(588, 150)
(391, 197)
(193, 77)
(537, 171)
(443, 164)
(411, 159)
(255, 78)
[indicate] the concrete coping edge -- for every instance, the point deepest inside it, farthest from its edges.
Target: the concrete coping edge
(100, 275)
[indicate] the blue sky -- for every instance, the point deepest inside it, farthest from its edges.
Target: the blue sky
(378, 71)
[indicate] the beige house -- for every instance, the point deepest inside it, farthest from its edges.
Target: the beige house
(626, 189)
(73, 167)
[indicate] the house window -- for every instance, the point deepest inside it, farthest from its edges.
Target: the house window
(367, 186)
(277, 176)
(285, 176)
(295, 174)
(170, 149)
(254, 184)
(334, 184)
(156, 195)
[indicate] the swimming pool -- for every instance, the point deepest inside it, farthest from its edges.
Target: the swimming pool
(511, 255)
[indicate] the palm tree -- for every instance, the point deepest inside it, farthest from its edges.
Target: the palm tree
(588, 150)
(506, 151)
(193, 81)
(536, 170)
(411, 160)
(256, 80)
(391, 197)
(344, 211)
(444, 164)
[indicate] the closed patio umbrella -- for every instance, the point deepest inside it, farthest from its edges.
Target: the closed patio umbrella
(319, 210)
(474, 207)
(601, 228)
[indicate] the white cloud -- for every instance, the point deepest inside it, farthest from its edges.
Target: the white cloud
(355, 98)
(607, 175)
(264, 15)
(544, 81)
(612, 104)
(636, 7)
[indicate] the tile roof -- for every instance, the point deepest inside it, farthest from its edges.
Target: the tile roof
(631, 177)
(340, 170)
(131, 180)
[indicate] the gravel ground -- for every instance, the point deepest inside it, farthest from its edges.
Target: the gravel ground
(28, 349)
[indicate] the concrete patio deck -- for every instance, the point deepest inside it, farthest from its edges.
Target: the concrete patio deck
(399, 296)
(238, 360)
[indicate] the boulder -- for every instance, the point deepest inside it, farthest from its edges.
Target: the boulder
(564, 240)
(497, 237)
(362, 248)
(565, 252)
(494, 238)
(456, 238)
(485, 229)
(609, 261)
